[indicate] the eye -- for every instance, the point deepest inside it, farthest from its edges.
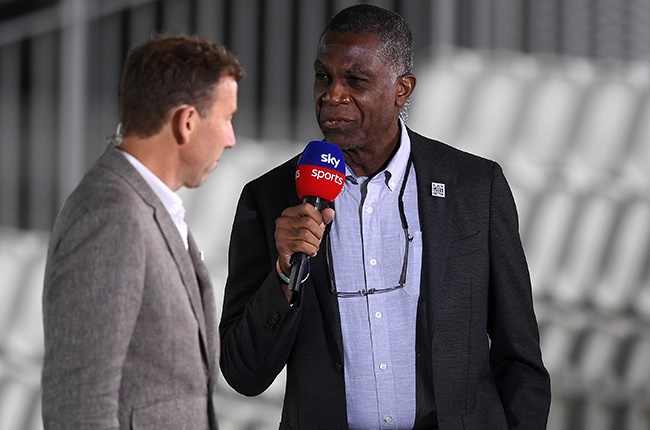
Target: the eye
(321, 76)
(356, 81)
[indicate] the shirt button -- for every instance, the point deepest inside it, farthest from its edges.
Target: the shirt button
(378, 315)
(383, 366)
(388, 418)
(370, 210)
(373, 262)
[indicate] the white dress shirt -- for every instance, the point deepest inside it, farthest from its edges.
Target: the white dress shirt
(169, 198)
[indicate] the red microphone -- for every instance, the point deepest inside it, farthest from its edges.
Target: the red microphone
(319, 179)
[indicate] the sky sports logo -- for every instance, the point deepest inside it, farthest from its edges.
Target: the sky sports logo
(319, 173)
(330, 159)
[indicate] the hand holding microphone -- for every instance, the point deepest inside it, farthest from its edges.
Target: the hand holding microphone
(320, 176)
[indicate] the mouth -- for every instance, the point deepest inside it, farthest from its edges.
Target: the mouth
(334, 124)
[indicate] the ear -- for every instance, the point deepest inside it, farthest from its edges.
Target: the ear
(184, 123)
(405, 87)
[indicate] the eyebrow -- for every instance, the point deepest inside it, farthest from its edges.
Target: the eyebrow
(351, 70)
(319, 63)
(359, 70)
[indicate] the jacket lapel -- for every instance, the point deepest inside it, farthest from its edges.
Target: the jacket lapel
(185, 266)
(435, 221)
(435, 224)
(327, 301)
(211, 337)
(116, 162)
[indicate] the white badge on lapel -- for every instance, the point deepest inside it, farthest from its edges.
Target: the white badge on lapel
(437, 189)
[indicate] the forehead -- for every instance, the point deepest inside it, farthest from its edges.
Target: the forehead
(224, 94)
(226, 87)
(349, 50)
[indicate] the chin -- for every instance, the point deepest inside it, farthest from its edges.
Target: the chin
(344, 144)
(337, 139)
(197, 182)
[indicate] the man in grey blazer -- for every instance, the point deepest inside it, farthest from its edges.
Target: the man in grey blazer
(131, 340)
(418, 309)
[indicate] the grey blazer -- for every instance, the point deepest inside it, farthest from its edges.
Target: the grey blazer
(129, 315)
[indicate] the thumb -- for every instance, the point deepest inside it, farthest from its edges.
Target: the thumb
(328, 215)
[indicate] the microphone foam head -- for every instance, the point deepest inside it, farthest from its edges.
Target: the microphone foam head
(321, 171)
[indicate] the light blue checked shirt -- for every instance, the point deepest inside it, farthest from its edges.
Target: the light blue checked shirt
(367, 243)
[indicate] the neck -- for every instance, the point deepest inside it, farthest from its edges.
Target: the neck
(152, 153)
(367, 160)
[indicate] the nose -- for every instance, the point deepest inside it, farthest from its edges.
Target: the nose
(230, 139)
(336, 94)
(231, 142)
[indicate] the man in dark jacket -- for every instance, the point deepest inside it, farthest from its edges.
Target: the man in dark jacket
(418, 309)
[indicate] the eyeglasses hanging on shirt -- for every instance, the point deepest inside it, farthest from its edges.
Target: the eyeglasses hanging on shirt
(407, 242)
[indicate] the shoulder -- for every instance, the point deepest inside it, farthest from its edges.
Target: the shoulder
(104, 188)
(434, 157)
(425, 147)
(102, 197)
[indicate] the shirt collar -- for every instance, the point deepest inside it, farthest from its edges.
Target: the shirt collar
(172, 202)
(396, 166)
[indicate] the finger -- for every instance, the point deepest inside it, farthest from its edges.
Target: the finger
(298, 229)
(328, 215)
(298, 234)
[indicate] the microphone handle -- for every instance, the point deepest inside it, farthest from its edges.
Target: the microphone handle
(298, 270)
(299, 260)
(315, 202)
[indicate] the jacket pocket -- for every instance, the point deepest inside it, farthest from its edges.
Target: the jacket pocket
(489, 417)
(466, 245)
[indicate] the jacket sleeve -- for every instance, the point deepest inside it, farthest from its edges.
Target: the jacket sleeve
(522, 380)
(258, 327)
(92, 295)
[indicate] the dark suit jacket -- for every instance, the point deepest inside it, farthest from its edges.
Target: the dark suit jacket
(131, 339)
(478, 364)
